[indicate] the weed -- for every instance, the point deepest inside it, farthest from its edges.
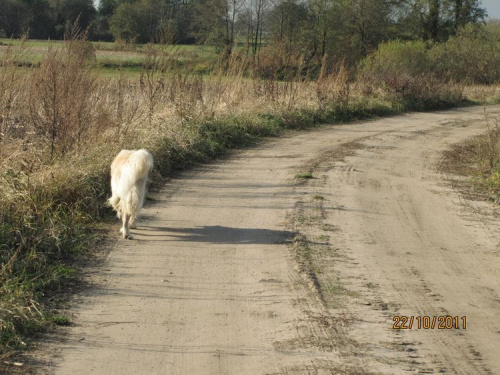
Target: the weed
(59, 320)
(304, 175)
(479, 160)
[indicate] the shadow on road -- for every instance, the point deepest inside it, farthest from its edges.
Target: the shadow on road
(216, 234)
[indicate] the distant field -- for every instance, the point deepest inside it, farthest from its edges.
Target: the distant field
(112, 57)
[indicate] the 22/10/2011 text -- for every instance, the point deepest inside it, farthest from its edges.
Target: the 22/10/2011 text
(429, 322)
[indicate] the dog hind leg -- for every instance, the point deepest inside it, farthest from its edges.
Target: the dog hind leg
(136, 201)
(133, 222)
(126, 227)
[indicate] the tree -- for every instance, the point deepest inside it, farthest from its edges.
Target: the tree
(437, 20)
(44, 18)
(65, 12)
(127, 23)
(287, 22)
(13, 19)
(259, 8)
(366, 23)
(433, 20)
(324, 21)
(214, 21)
(40, 23)
(81, 10)
(467, 12)
(100, 29)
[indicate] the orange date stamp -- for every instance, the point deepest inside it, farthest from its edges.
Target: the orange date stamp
(429, 322)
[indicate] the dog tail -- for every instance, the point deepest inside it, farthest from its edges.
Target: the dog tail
(114, 202)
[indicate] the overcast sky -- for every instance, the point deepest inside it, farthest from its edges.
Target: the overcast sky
(493, 8)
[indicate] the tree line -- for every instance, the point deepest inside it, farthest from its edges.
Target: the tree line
(348, 29)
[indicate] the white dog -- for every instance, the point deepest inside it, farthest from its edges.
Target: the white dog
(129, 175)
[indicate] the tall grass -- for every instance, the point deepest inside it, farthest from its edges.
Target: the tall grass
(61, 125)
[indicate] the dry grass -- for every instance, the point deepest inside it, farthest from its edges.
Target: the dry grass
(485, 94)
(478, 160)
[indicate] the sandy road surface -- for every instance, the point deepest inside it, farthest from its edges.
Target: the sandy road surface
(210, 285)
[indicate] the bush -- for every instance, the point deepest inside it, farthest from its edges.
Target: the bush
(395, 59)
(424, 92)
(472, 57)
(405, 72)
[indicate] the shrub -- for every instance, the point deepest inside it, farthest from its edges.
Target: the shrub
(62, 96)
(395, 59)
(473, 56)
(405, 72)
(425, 92)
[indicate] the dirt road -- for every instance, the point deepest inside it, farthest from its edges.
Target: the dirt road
(240, 268)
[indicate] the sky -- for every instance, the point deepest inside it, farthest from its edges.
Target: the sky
(493, 8)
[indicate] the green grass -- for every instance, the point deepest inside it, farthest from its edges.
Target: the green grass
(304, 175)
(30, 42)
(60, 320)
(111, 58)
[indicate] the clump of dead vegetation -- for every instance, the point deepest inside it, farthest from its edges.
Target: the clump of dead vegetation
(478, 161)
